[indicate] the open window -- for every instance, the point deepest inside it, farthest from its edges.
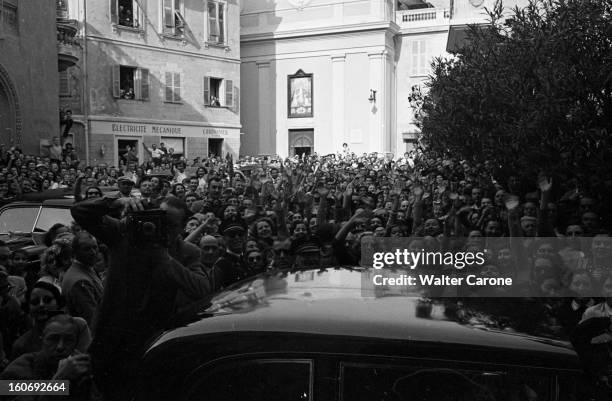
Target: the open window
(173, 18)
(126, 13)
(219, 92)
(130, 83)
(216, 22)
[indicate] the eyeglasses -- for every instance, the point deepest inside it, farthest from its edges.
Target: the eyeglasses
(45, 300)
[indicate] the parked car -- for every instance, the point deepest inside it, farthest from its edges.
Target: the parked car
(30, 220)
(24, 223)
(316, 335)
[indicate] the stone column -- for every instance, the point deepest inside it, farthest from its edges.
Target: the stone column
(338, 105)
(265, 134)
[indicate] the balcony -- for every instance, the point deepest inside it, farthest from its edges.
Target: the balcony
(423, 17)
(68, 47)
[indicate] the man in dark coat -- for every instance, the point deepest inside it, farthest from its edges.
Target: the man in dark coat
(231, 266)
(141, 286)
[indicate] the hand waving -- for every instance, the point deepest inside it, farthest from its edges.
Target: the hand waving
(545, 183)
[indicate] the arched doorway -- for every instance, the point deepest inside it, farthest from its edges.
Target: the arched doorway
(10, 119)
(301, 142)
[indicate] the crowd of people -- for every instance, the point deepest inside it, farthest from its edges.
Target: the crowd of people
(194, 227)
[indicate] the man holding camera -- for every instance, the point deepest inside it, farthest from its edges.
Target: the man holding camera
(150, 265)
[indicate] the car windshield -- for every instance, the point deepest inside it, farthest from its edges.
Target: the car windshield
(52, 215)
(18, 219)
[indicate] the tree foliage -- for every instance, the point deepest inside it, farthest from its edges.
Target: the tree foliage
(532, 92)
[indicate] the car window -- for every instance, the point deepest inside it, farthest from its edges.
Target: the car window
(270, 380)
(18, 219)
(52, 215)
(399, 383)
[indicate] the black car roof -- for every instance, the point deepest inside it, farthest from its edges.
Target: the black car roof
(48, 202)
(60, 193)
(331, 303)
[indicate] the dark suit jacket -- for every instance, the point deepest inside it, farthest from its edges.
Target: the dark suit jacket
(141, 285)
(229, 269)
(139, 299)
(82, 290)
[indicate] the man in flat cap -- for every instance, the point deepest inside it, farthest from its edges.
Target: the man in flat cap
(125, 186)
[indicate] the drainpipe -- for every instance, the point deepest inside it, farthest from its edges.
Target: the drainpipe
(84, 80)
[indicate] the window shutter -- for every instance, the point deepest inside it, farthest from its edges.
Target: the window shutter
(423, 51)
(415, 58)
(168, 14)
(137, 84)
(206, 91)
(137, 11)
(236, 107)
(168, 87)
(116, 72)
(177, 87)
(213, 32)
(114, 14)
(221, 19)
(229, 93)
(144, 84)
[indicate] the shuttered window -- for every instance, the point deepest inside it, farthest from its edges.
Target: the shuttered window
(173, 87)
(419, 58)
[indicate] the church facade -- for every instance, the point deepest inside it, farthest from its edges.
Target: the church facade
(320, 73)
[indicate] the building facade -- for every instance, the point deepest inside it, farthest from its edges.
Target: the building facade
(320, 73)
(28, 73)
(155, 71)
